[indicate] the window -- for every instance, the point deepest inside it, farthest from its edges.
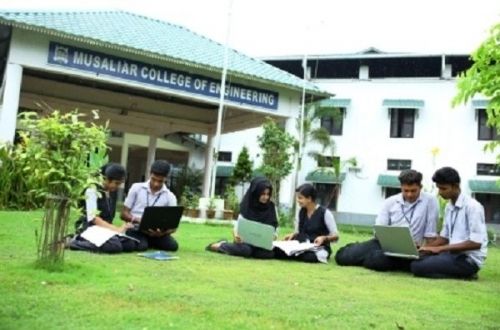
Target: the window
(398, 164)
(327, 161)
(390, 191)
(327, 195)
(491, 204)
(402, 123)
(225, 156)
(485, 132)
(116, 134)
(334, 124)
(220, 185)
(487, 169)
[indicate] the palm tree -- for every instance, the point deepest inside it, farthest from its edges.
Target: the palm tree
(313, 133)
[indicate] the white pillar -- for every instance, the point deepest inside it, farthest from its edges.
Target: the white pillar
(287, 189)
(151, 154)
(124, 154)
(123, 160)
(208, 165)
(10, 106)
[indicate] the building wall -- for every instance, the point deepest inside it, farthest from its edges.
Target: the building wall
(453, 131)
(366, 136)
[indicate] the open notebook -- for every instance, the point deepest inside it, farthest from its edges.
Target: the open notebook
(294, 247)
(99, 235)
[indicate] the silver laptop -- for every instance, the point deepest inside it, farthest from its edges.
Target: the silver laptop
(256, 233)
(396, 241)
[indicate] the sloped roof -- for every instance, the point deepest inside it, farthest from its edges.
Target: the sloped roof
(152, 38)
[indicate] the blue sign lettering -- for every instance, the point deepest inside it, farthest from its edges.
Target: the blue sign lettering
(100, 63)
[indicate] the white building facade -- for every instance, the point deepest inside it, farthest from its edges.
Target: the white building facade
(397, 114)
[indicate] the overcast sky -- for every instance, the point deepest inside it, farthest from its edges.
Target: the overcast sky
(292, 27)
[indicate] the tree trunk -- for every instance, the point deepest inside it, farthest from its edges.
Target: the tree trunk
(51, 241)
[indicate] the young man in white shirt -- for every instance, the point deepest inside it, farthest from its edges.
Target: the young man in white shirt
(412, 208)
(153, 192)
(460, 249)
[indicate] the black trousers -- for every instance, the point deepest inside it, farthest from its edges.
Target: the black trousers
(245, 250)
(165, 243)
(445, 265)
(308, 256)
(369, 254)
(115, 244)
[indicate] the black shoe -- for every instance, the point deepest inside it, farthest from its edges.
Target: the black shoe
(473, 277)
(209, 246)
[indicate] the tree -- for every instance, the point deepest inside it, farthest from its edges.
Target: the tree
(64, 155)
(189, 178)
(277, 160)
(483, 77)
(313, 133)
(243, 169)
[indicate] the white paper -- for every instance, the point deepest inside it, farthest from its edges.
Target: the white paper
(98, 235)
(293, 247)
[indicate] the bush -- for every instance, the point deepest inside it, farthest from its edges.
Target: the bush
(231, 200)
(16, 185)
(286, 217)
(63, 155)
(492, 236)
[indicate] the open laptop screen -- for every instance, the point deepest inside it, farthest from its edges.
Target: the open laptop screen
(161, 217)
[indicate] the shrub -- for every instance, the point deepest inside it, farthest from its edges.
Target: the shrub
(59, 154)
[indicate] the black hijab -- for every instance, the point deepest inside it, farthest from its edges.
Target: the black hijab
(252, 209)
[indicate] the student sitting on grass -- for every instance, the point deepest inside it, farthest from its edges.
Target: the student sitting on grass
(411, 208)
(461, 247)
(99, 210)
(315, 224)
(153, 192)
(256, 206)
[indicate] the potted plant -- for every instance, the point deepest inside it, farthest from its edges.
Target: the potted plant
(211, 208)
(192, 206)
(228, 214)
(231, 204)
(185, 200)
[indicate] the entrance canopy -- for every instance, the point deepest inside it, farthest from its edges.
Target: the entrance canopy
(389, 181)
(147, 76)
(484, 186)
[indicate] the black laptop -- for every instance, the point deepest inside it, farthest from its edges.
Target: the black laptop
(161, 217)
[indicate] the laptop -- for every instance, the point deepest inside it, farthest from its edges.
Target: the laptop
(161, 217)
(256, 233)
(396, 241)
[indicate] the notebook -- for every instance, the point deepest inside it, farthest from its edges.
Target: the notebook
(158, 255)
(294, 247)
(98, 235)
(396, 241)
(161, 217)
(256, 233)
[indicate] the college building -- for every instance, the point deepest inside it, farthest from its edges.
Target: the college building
(396, 114)
(157, 84)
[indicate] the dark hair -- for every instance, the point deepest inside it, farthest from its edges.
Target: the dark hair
(410, 177)
(307, 190)
(113, 171)
(160, 167)
(446, 175)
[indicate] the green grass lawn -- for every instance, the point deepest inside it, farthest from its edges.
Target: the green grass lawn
(203, 290)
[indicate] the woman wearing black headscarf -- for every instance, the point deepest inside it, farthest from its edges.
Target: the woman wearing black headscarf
(255, 206)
